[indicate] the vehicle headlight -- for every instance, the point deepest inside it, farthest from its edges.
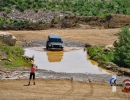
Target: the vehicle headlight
(61, 45)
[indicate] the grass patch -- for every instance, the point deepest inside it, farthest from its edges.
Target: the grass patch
(99, 54)
(6, 22)
(14, 53)
(16, 62)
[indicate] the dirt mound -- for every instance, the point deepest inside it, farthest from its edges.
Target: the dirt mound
(33, 26)
(111, 21)
(117, 21)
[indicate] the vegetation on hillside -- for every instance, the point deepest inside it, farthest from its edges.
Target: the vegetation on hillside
(100, 8)
(120, 55)
(13, 53)
(77, 7)
(6, 22)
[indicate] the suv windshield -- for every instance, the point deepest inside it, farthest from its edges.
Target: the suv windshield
(55, 40)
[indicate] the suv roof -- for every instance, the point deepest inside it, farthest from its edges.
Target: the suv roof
(54, 36)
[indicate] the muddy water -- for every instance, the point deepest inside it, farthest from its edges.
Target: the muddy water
(71, 60)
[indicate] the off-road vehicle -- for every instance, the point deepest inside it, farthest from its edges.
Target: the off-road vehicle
(54, 42)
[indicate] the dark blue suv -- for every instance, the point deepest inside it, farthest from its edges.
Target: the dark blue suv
(54, 42)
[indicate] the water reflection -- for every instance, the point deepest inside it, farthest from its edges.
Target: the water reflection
(54, 56)
(95, 63)
(71, 61)
(92, 61)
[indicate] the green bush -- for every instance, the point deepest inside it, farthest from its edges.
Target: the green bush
(97, 53)
(120, 55)
(8, 10)
(122, 48)
(5, 22)
(41, 22)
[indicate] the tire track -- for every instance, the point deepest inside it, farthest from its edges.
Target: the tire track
(70, 90)
(91, 90)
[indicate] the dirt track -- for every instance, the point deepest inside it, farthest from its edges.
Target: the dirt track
(58, 90)
(98, 36)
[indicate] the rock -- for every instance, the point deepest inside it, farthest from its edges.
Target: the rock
(28, 58)
(116, 43)
(7, 77)
(108, 47)
(89, 44)
(4, 58)
(120, 71)
(108, 67)
(8, 38)
(127, 73)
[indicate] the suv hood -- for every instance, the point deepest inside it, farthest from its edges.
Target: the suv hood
(56, 43)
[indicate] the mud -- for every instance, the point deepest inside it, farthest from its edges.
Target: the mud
(23, 73)
(42, 42)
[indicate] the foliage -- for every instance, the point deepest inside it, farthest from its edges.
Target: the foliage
(99, 54)
(78, 7)
(41, 22)
(6, 22)
(122, 48)
(120, 55)
(13, 53)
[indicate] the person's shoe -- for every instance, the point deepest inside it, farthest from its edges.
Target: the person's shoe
(34, 83)
(29, 83)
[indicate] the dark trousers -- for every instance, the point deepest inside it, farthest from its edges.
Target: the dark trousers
(32, 75)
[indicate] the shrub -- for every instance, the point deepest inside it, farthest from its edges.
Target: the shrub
(9, 22)
(97, 53)
(122, 48)
(41, 22)
(120, 55)
(9, 10)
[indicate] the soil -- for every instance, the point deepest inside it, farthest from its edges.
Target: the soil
(70, 36)
(46, 89)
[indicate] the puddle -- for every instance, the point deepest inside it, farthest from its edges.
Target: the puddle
(71, 60)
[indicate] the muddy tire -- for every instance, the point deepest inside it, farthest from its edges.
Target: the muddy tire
(46, 47)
